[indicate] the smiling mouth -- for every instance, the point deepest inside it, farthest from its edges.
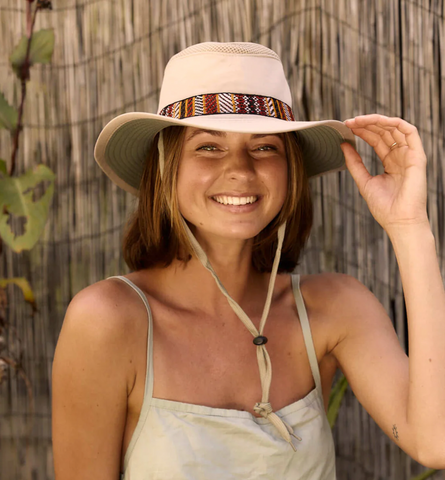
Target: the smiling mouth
(226, 200)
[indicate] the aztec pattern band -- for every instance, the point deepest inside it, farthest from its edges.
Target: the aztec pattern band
(214, 103)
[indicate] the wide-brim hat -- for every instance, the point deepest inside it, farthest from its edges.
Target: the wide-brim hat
(230, 87)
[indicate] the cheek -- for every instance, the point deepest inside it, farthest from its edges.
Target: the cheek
(192, 185)
(184, 191)
(277, 178)
(182, 187)
(283, 180)
(188, 177)
(280, 188)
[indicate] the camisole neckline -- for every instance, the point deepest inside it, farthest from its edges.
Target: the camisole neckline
(202, 410)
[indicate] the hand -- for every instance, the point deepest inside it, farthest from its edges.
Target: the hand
(396, 198)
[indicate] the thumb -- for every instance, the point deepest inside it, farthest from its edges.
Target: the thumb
(355, 165)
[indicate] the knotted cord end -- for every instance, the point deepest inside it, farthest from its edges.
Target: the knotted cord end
(262, 408)
(265, 410)
(296, 436)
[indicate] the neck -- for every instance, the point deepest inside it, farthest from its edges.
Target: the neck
(192, 284)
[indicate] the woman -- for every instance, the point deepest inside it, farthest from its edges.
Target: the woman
(156, 377)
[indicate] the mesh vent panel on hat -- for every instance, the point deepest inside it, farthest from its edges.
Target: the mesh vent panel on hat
(234, 48)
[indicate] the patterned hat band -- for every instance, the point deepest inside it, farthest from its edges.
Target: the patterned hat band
(215, 103)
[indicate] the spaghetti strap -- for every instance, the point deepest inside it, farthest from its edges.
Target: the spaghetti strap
(149, 372)
(305, 326)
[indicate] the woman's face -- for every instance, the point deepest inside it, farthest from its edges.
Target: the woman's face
(231, 185)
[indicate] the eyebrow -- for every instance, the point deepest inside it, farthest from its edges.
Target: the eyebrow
(216, 133)
(198, 131)
(261, 135)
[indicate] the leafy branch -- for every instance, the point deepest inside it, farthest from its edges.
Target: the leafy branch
(24, 199)
(22, 63)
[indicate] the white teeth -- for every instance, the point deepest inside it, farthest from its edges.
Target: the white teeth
(235, 200)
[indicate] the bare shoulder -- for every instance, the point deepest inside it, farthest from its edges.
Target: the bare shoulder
(339, 303)
(106, 306)
(111, 295)
(330, 283)
(93, 374)
(109, 315)
(335, 293)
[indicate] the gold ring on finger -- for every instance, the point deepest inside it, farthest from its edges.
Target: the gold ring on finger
(393, 146)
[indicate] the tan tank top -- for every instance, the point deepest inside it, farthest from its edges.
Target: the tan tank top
(176, 440)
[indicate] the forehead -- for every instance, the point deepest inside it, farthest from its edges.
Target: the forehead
(192, 132)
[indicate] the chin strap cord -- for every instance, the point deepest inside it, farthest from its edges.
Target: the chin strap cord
(262, 408)
(285, 430)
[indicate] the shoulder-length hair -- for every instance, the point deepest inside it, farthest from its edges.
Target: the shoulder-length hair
(154, 236)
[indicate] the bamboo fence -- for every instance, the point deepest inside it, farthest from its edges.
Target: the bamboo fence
(342, 58)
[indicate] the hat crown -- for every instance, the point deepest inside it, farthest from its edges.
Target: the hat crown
(231, 48)
(234, 67)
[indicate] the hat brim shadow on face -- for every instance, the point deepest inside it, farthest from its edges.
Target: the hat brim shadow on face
(121, 149)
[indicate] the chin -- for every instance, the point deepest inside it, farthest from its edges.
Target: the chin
(238, 236)
(226, 232)
(238, 233)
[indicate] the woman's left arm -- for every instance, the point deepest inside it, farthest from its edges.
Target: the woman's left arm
(397, 200)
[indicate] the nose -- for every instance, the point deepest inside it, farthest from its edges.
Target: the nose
(240, 165)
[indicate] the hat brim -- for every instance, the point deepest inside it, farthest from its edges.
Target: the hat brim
(122, 146)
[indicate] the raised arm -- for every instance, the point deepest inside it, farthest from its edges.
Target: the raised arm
(414, 389)
(90, 383)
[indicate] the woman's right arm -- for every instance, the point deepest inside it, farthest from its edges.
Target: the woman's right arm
(91, 379)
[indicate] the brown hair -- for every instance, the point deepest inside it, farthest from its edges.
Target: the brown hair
(155, 236)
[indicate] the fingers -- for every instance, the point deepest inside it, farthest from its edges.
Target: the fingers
(356, 167)
(388, 136)
(374, 139)
(389, 129)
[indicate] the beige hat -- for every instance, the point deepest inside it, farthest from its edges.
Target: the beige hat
(231, 87)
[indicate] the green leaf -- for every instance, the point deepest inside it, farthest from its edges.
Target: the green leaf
(18, 199)
(335, 399)
(3, 168)
(8, 115)
(426, 474)
(41, 51)
(24, 285)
